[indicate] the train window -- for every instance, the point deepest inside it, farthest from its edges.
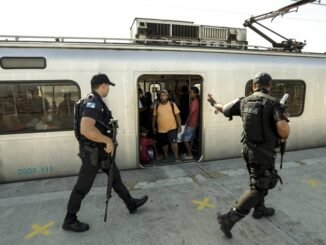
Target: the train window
(23, 62)
(37, 106)
(296, 90)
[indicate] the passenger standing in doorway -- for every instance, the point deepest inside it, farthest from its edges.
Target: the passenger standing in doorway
(94, 145)
(191, 123)
(265, 124)
(166, 117)
(141, 107)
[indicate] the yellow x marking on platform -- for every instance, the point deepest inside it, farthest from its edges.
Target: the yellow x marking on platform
(312, 182)
(37, 229)
(203, 204)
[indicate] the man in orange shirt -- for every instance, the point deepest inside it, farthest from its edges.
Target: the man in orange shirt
(167, 116)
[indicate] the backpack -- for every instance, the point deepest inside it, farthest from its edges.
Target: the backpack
(252, 113)
(78, 112)
(77, 117)
(252, 117)
(146, 150)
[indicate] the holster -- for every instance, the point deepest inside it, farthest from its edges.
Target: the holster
(93, 153)
(274, 179)
(269, 180)
(105, 159)
(106, 164)
(263, 182)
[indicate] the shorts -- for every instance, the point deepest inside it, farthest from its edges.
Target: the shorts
(169, 137)
(189, 134)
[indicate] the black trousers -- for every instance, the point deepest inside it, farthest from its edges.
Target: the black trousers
(86, 179)
(259, 166)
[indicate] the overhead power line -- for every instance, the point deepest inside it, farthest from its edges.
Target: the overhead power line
(318, 2)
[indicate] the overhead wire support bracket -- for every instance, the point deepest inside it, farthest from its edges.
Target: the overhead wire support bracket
(288, 44)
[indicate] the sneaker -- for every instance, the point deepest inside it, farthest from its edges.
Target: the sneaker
(159, 158)
(187, 157)
(136, 203)
(75, 226)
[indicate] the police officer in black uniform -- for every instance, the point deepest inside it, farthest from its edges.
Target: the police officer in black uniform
(94, 144)
(265, 124)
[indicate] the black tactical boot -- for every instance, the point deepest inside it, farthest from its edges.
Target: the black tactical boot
(136, 203)
(228, 220)
(262, 211)
(71, 223)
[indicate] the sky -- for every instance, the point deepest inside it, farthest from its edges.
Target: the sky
(112, 19)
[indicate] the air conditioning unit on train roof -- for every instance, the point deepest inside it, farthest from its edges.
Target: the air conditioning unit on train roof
(223, 33)
(186, 33)
(143, 28)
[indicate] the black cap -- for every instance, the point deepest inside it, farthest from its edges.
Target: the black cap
(101, 78)
(263, 78)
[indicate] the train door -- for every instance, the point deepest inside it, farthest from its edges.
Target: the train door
(159, 143)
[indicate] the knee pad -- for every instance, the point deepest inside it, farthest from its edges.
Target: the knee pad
(267, 181)
(260, 185)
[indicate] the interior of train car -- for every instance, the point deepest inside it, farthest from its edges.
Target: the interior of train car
(37, 106)
(179, 92)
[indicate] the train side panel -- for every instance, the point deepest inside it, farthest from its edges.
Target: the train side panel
(50, 154)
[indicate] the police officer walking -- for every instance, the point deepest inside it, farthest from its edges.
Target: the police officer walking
(94, 146)
(265, 124)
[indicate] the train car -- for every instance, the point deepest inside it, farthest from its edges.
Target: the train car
(41, 80)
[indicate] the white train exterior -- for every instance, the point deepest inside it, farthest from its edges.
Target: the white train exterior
(223, 72)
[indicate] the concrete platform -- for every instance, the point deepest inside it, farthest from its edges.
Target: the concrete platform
(182, 206)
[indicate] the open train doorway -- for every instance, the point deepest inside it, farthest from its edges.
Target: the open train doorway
(170, 118)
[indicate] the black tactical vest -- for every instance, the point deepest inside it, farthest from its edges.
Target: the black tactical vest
(102, 122)
(258, 122)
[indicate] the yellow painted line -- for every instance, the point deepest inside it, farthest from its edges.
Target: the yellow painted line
(203, 204)
(312, 182)
(37, 229)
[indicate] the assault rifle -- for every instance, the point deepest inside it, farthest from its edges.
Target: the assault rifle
(283, 144)
(109, 164)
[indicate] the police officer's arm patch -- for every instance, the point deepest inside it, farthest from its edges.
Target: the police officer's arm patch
(90, 105)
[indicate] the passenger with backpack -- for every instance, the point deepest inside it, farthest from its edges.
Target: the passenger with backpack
(167, 123)
(265, 124)
(91, 124)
